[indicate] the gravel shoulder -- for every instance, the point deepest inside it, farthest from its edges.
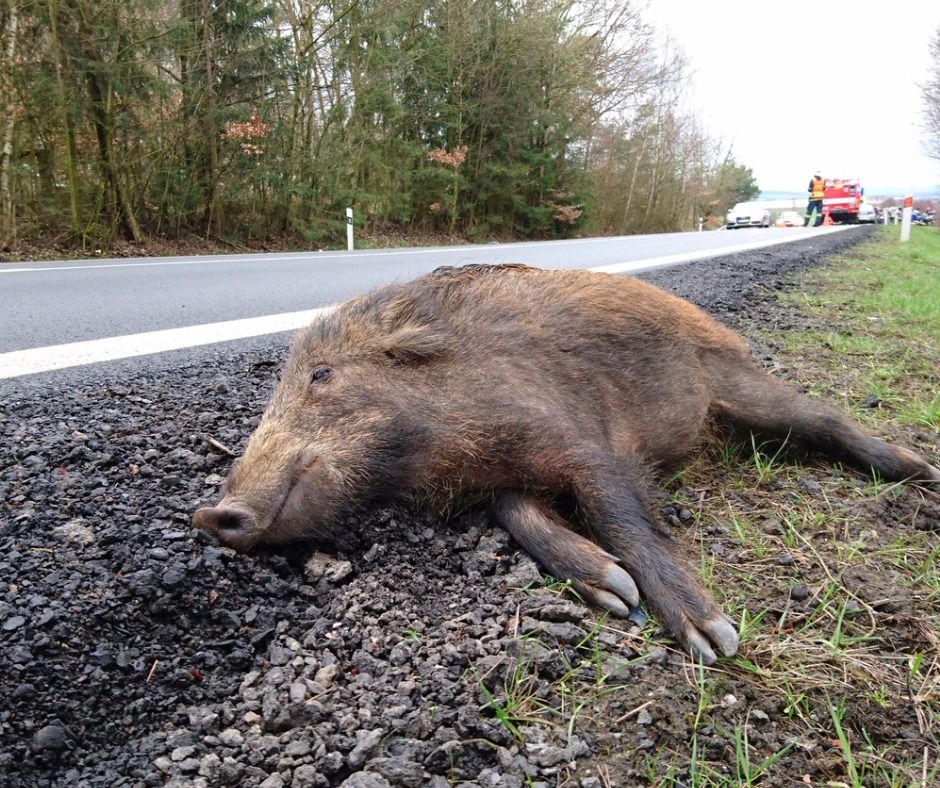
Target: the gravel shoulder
(136, 651)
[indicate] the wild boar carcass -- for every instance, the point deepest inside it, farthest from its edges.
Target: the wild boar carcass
(547, 395)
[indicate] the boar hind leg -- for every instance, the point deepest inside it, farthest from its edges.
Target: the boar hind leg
(759, 403)
(594, 573)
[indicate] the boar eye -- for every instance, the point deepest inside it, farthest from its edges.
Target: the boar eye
(321, 374)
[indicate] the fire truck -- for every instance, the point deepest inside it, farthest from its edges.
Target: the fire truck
(841, 199)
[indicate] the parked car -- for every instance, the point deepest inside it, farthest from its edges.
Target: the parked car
(747, 214)
(791, 219)
(867, 214)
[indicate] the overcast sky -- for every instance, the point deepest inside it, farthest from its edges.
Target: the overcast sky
(754, 86)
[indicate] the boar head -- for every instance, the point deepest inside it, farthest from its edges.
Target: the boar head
(348, 424)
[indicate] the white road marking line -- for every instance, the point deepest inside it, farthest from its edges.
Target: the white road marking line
(75, 354)
(263, 258)
(310, 256)
(316, 256)
(686, 257)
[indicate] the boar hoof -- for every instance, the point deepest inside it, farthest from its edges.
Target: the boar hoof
(615, 592)
(621, 584)
(721, 632)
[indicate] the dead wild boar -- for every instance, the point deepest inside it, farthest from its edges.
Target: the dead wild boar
(549, 396)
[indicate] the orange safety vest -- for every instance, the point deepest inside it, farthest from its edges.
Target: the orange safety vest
(817, 188)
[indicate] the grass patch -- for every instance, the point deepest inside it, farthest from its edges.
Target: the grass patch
(834, 578)
(882, 359)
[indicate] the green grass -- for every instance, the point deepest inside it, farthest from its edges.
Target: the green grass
(924, 411)
(581, 685)
(514, 705)
(870, 343)
(885, 302)
(896, 281)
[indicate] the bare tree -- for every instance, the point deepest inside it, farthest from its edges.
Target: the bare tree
(8, 40)
(931, 92)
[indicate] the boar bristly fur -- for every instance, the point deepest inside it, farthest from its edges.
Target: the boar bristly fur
(548, 395)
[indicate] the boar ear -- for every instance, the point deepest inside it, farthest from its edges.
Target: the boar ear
(414, 344)
(411, 330)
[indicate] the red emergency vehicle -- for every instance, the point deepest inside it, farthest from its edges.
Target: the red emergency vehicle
(841, 199)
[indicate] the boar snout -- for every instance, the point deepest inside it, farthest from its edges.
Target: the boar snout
(235, 527)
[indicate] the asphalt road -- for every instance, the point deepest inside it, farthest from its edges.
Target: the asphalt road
(57, 304)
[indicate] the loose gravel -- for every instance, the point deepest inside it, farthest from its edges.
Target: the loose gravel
(138, 652)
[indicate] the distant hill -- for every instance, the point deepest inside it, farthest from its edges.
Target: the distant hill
(871, 192)
(924, 192)
(771, 195)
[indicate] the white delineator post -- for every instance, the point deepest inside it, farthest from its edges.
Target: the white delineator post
(349, 229)
(906, 219)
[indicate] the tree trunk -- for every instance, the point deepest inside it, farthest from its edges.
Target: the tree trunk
(70, 150)
(187, 101)
(636, 169)
(213, 209)
(99, 91)
(7, 212)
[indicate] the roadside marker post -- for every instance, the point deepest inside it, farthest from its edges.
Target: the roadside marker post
(906, 219)
(349, 229)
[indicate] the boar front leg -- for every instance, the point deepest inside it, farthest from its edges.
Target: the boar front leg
(617, 517)
(593, 572)
(634, 558)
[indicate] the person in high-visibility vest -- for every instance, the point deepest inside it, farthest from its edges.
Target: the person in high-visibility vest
(817, 187)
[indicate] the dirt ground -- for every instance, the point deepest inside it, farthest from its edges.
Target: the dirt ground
(138, 652)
